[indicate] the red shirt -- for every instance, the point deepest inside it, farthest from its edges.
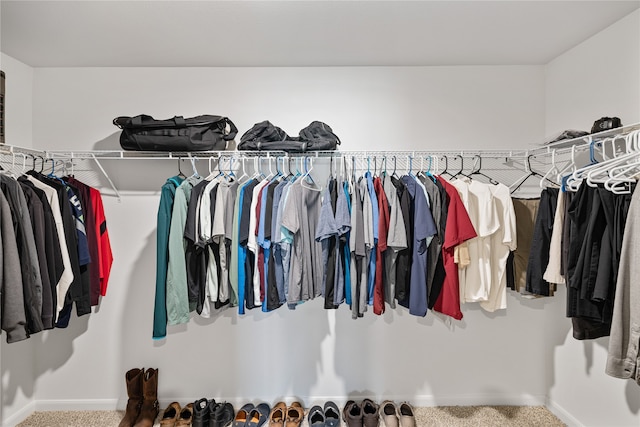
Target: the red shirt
(458, 229)
(105, 256)
(383, 229)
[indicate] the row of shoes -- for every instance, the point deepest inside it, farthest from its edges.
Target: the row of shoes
(201, 413)
(209, 413)
(368, 414)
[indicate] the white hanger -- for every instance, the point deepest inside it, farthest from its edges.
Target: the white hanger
(245, 176)
(602, 173)
(307, 176)
(193, 165)
(553, 170)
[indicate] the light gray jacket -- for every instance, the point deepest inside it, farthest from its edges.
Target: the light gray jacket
(623, 360)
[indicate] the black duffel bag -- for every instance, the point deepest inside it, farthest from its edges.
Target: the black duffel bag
(265, 136)
(201, 133)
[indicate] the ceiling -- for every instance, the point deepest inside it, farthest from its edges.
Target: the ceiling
(298, 33)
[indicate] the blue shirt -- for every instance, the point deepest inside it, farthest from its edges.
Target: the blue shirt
(423, 228)
(375, 214)
(347, 252)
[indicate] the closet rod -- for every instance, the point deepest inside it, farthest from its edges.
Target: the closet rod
(154, 155)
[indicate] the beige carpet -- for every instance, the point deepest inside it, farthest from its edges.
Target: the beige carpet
(494, 416)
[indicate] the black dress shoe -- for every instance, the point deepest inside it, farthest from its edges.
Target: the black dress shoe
(223, 416)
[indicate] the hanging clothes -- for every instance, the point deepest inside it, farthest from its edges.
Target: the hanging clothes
(396, 240)
(301, 219)
(502, 243)
(165, 210)
(13, 321)
(540, 247)
(458, 230)
(623, 358)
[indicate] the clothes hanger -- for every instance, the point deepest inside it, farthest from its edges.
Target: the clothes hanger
(575, 179)
(446, 167)
(180, 174)
(428, 173)
(477, 170)
(529, 173)
(552, 171)
(231, 174)
(245, 176)
(307, 178)
(457, 174)
(394, 174)
(603, 172)
(193, 166)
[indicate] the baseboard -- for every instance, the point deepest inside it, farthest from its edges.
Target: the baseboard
(563, 414)
(20, 415)
(77, 405)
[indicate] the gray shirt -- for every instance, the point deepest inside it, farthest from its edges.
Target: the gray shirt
(396, 240)
(301, 218)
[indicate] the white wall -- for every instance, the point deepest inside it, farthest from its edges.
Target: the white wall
(18, 101)
(309, 353)
(600, 77)
(17, 360)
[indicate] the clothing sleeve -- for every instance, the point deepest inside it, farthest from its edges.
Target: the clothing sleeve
(177, 291)
(35, 280)
(326, 222)
(460, 229)
(219, 220)
(105, 254)
(13, 317)
(290, 219)
(204, 214)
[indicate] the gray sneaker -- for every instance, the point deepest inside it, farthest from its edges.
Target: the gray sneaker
(407, 419)
(390, 414)
(352, 414)
(370, 413)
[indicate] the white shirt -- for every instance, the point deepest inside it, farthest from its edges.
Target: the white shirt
(553, 272)
(475, 279)
(502, 242)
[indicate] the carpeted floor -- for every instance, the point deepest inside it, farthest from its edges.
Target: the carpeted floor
(494, 416)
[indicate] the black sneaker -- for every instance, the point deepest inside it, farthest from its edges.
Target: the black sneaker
(223, 415)
(201, 412)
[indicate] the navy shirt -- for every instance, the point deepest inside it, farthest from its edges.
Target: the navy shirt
(423, 228)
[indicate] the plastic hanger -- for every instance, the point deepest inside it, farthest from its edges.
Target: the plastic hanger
(394, 174)
(457, 174)
(445, 171)
(180, 174)
(529, 173)
(429, 172)
(552, 171)
(193, 166)
(245, 176)
(307, 178)
(477, 170)
(618, 165)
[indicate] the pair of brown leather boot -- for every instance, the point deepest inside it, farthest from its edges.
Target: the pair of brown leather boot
(142, 406)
